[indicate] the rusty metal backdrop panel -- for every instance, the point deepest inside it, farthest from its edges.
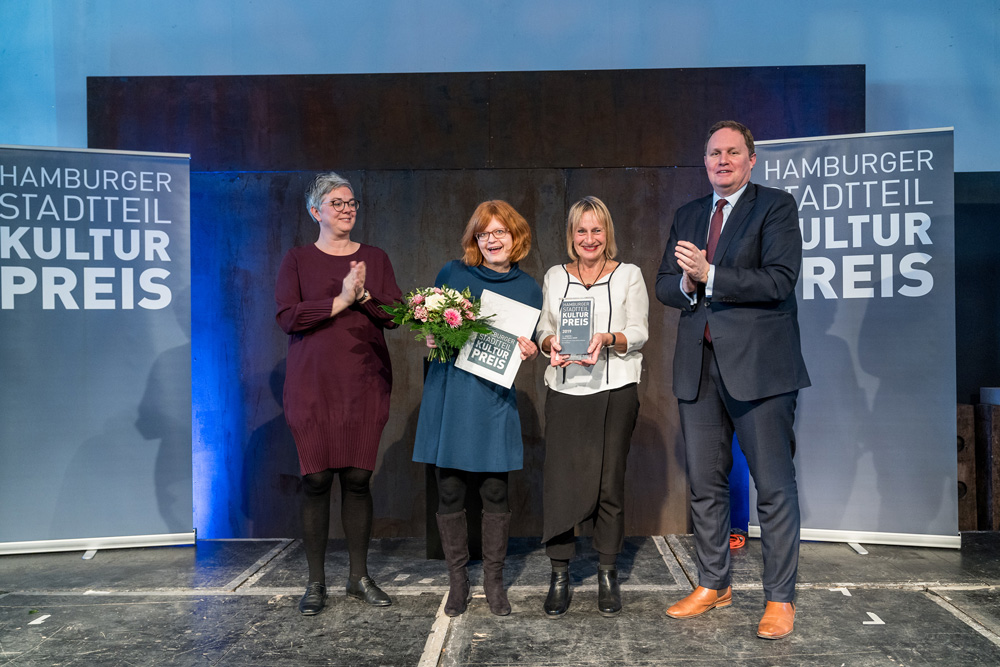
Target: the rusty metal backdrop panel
(507, 120)
(634, 118)
(353, 121)
(422, 150)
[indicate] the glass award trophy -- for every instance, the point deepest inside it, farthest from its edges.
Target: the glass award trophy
(576, 326)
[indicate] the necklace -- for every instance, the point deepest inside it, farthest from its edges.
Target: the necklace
(579, 268)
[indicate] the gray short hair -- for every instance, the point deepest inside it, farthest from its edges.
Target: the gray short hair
(322, 184)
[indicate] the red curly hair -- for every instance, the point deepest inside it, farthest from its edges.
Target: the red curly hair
(520, 233)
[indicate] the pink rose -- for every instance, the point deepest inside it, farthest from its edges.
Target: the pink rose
(469, 315)
(438, 290)
(466, 304)
(420, 313)
(452, 317)
(417, 299)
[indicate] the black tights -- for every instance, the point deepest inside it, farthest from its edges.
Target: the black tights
(452, 485)
(355, 514)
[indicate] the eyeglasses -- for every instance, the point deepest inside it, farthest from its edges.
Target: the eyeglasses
(498, 234)
(339, 204)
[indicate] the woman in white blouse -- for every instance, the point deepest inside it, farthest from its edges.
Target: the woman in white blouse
(591, 403)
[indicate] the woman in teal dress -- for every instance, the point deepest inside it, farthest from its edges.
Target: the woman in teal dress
(469, 427)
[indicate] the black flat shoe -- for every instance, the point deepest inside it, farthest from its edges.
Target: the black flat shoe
(313, 601)
(366, 590)
(609, 595)
(557, 601)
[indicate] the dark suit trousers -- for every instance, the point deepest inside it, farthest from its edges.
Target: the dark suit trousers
(764, 430)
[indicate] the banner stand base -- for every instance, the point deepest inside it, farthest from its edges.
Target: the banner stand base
(92, 543)
(864, 537)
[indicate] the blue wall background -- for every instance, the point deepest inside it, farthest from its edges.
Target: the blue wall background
(928, 65)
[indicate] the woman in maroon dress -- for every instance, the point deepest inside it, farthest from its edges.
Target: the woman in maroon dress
(338, 379)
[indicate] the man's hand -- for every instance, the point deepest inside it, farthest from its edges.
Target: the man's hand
(692, 261)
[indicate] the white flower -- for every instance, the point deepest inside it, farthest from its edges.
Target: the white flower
(435, 302)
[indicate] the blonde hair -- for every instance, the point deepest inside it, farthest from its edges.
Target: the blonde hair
(603, 215)
(516, 225)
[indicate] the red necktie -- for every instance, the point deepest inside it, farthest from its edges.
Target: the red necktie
(714, 232)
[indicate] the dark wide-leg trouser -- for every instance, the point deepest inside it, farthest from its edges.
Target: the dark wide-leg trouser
(587, 441)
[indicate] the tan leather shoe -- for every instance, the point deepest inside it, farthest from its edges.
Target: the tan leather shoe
(778, 620)
(701, 600)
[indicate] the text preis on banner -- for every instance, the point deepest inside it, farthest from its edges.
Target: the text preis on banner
(866, 222)
(78, 238)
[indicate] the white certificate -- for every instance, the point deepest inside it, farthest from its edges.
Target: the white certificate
(496, 356)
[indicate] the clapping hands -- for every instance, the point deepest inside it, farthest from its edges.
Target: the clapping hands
(354, 283)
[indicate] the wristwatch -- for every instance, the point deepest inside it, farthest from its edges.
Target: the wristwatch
(364, 297)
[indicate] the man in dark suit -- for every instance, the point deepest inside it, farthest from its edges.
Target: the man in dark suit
(730, 267)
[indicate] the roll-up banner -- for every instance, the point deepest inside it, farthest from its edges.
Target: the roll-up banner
(876, 432)
(95, 350)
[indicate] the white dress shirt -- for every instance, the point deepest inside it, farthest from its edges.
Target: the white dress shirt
(726, 210)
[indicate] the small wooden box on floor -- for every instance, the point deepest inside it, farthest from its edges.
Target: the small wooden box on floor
(968, 512)
(987, 428)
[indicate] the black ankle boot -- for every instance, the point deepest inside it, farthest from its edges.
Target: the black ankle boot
(609, 595)
(314, 599)
(557, 601)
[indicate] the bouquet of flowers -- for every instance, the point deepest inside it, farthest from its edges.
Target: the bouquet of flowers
(445, 313)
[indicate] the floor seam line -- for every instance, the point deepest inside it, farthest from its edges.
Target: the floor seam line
(253, 574)
(680, 561)
(436, 637)
(964, 617)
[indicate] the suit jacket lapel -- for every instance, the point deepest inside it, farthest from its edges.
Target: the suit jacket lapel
(737, 218)
(704, 221)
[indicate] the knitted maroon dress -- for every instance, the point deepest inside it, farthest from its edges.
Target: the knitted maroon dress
(338, 375)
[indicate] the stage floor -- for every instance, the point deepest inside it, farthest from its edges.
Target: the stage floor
(233, 603)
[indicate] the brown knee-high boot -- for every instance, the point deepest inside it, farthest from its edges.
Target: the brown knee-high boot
(496, 529)
(455, 542)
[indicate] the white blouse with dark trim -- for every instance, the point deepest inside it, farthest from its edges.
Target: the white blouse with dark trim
(621, 303)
